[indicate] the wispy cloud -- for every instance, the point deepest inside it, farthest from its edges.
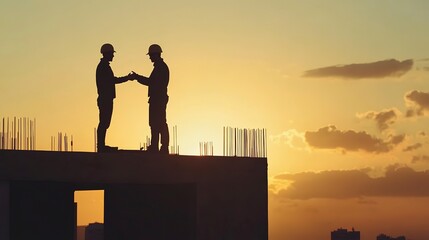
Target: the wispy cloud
(413, 147)
(420, 158)
(383, 118)
(331, 138)
(293, 138)
(380, 69)
(397, 182)
(418, 103)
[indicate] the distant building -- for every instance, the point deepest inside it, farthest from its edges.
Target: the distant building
(80, 232)
(343, 234)
(94, 231)
(385, 237)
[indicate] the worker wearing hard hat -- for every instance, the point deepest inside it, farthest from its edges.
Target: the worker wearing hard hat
(158, 98)
(106, 81)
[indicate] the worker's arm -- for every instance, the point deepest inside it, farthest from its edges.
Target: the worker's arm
(141, 79)
(121, 79)
(105, 75)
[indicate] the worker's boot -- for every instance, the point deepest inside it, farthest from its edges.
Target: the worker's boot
(164, 150)
(152, 149)
(106, 148)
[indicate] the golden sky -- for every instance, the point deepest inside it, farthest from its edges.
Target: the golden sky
(341, 87)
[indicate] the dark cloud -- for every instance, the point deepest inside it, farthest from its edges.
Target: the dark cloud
(383, 118)
(418, 103)
(331, 138)
(421, 158)
(380, 69)
(413, 147)
(397, 182)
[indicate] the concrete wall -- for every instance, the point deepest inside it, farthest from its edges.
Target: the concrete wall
(41, 211)
(4, 210)
(146, 196)
(149, 212)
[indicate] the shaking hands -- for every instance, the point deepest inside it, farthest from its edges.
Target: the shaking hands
(132, 76)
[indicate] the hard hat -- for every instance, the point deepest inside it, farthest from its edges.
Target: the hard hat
(154, 48)
(107, 47)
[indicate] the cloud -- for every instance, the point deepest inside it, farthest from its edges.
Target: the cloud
(340, 184)
(417, 102)
(380, 69)
(383, 118)
(331, 138)
(293, 138)
(421, 158)
(412, 147)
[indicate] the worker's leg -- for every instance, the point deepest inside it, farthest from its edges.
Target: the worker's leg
(165, 138)
(165, 135)
(105, 116)
(154, 128)
(154, 141)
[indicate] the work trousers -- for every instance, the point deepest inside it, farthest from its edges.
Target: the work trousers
(105, 108)
(158, 122)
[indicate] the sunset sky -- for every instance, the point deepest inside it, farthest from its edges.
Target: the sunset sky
(341, 86)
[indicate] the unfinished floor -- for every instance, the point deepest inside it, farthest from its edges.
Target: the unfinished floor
(146, 196)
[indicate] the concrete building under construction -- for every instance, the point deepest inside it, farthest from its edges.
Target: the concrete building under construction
(385, 237)
(343, 234)
(145, 196)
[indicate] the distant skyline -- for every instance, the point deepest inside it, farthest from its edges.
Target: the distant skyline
(341, 87)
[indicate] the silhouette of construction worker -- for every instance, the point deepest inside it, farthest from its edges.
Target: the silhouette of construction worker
(158, 98)
(106, 81)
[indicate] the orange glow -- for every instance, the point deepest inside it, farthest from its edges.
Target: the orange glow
(292, 67)
(90, 206)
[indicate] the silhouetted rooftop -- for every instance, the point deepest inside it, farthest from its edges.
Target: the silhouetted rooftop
(194, 197)
(126, 166)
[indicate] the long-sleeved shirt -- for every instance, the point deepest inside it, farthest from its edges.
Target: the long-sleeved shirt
(157, 81)
(106, 80)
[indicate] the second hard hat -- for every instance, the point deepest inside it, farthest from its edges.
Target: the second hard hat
(107, 47)
(154, 48)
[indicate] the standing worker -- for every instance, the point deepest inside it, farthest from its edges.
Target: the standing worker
(106, 81)
(158, 99)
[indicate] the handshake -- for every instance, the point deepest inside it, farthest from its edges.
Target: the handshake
(141, 79)
(132, 76)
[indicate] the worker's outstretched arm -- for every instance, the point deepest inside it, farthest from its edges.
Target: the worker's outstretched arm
(141, 79)
(121, 79)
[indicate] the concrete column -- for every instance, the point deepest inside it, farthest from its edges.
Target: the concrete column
(4, 210)
(158, 211)
(41, 211)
